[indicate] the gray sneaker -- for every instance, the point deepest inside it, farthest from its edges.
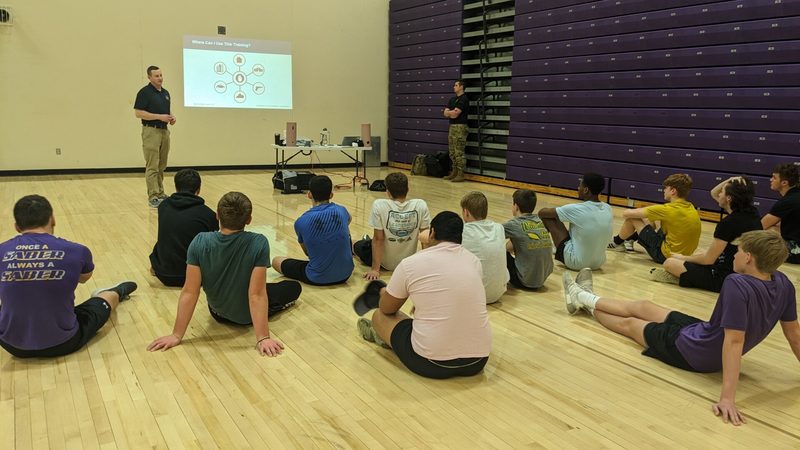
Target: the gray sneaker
(154, 202)
(584, 279)
(123, 289)
(571, 290)
(662, 276)
(368, 333)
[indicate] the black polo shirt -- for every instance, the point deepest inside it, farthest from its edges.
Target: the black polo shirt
(788, 210)
(153, 101)
(461, 102)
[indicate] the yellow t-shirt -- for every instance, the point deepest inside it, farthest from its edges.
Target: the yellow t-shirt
(680, 224)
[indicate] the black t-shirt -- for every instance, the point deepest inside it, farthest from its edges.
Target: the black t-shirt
(462, 103)
(730, 228)
(153, 101)
(181, 217)
(788, 210)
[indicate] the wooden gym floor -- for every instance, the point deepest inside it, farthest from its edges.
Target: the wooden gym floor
(553, 380)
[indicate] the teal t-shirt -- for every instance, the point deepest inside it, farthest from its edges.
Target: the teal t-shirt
(226, 263)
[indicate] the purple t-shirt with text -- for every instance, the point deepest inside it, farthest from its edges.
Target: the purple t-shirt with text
(745, 303)
(38, 276)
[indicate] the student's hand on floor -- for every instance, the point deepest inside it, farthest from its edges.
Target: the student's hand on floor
(372, 275)
(269, 347)
(727, 410)
(164, 343)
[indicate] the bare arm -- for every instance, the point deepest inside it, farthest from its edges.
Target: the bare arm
(454, 113)
(84, 277)
(258, 302)
(378, 242)
(389, 304)
(792, 332)
(731, 365)
(638, 213)
(186, 304)
(769, 221)
(709, 257)
(548, 213)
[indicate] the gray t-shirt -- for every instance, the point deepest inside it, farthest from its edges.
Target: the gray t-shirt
(533, 249)
(226, 264)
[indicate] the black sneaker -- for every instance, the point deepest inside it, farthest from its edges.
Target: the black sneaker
(370, 298)
(124, 290)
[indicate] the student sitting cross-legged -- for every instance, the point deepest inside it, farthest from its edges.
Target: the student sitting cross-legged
(397, 223)
(750, 303)
(450, 334)
(708, 270)
(529, 257)
(784, 216)
(231, 267)
(324, 236)
(486, 240)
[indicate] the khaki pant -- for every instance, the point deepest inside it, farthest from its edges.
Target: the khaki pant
(155, 146)
(456, 141)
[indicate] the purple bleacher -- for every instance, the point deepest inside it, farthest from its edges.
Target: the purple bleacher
(419, 124)
(424, 9)
(439, 73)
(452, 19)
(422, 37)
(419, 100)
(426, 62)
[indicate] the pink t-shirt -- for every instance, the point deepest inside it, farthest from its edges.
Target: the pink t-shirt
(450, 319)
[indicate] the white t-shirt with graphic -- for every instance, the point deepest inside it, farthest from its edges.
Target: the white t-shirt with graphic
(487, 240)
(401, 222)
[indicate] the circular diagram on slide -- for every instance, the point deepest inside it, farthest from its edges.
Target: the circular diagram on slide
(240, 78)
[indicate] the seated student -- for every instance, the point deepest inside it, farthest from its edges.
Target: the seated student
(450, 334)
(708, 270)
(38, 276)
(529, 257)
(324, 236)
(181, 216)
(680, 223)
(486, 240)
(751, 302)
(590, 226)
(231, 267)
(396, 223)
(785, 213)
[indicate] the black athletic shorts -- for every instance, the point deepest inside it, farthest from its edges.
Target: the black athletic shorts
(171, 281)
(700, 276)
(460, 367)
(91, 315)
(651, 240)
(296, 269)
(661, 337)
(560, 249)
(363, 249)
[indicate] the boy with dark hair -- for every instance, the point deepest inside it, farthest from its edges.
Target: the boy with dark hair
(709, 269)
(181, 216)
(486, 240)
(450, 335)
(751, 302)
(785, 213)
(324, 236)
(680, 223)
(231, 267)
(38, 276)
(529, 258)
(590, 223)
(397, 223)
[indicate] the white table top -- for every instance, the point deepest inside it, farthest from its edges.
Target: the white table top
(318, 148)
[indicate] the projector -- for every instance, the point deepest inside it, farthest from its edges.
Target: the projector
(291, 182)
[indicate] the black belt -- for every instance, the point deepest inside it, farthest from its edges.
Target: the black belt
(155, 126)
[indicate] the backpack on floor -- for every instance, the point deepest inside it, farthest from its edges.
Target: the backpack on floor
(437, 165)
(418, 166)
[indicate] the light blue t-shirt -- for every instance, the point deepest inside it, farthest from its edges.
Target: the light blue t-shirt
(590, 228)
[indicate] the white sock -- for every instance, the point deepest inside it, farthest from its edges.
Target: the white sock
(587, 299)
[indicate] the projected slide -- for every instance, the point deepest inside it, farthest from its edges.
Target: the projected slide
(220, 72)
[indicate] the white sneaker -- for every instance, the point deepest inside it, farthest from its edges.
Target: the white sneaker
(628, 246)
(571, 291)
(614, 247)
(584, 279)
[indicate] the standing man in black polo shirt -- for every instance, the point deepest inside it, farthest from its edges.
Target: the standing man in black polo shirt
(784, 217)
(456, 111)
(153, 107)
